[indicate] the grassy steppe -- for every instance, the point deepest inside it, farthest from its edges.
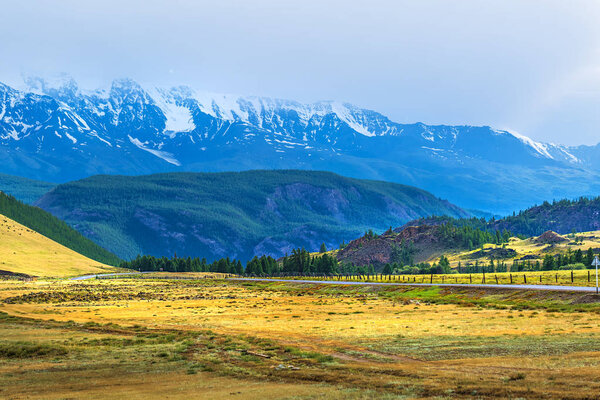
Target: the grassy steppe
(25, 251)
(214, 338)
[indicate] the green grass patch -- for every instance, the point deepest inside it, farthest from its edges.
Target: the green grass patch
(22, 350)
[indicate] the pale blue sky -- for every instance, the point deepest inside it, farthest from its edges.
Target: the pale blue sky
(529, 66)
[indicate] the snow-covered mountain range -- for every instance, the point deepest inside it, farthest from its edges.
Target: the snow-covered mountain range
(57, 132)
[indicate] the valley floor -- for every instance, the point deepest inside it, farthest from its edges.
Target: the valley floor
(212, 338)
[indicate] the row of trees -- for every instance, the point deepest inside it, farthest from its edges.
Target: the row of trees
(300, 262)
(176, 264)
(559, 261)
(263, 266)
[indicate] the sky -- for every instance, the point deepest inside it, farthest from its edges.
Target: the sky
(532, 67)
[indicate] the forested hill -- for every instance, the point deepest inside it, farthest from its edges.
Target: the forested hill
(237, 214)
(46, 224)
(562, 216)
(23, 189)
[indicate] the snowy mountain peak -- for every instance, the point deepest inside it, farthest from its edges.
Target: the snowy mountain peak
(545, 150)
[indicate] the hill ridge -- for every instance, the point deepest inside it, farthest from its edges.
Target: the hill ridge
(235, 214)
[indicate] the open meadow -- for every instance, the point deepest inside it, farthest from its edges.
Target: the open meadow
(214, 338)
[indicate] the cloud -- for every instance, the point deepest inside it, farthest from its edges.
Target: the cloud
(510, 63)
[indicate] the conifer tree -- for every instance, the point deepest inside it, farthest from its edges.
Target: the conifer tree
(323, 248)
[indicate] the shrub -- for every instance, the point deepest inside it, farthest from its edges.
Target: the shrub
(30, 350)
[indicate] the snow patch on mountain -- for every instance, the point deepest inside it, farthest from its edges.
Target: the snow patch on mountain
(541, 148)
(343, 113)
(168, 157)
(179, 118)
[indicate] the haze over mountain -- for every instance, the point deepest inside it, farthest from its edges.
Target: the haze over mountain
(56, 132)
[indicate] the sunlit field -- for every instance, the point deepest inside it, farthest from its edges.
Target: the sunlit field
(212, 338)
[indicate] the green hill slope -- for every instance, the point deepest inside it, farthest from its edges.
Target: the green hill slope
(51, 227)
(234, 214)
(23, 189)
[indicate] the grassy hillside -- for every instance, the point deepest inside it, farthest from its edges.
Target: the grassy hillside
(532, 249)
(23, 189)
(53, 228)
(234, 214)
(25, 251)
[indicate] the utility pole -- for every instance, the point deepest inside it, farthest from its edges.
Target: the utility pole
(595, 263)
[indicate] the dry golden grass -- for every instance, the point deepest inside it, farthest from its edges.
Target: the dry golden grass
(367, 342)
(25, 251)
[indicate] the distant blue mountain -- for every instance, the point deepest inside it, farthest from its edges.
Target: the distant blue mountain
(58, 132)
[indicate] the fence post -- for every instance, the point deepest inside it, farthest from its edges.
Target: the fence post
(470, 279)
(556, 278)
(496, 276)
(431, 281)
(571, 276)
(524, 278)
(510, 278)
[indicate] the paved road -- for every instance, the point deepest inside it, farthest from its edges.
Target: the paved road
(467, 285)
(94, 276)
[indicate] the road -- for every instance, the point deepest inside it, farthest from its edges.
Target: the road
(465, 285)
(93, 276)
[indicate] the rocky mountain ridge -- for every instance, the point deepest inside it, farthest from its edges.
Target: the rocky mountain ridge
(58, 132)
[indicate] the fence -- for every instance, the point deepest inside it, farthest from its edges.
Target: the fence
(574, 278)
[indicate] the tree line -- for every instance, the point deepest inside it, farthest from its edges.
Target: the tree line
(300, 262)
(189, 264)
